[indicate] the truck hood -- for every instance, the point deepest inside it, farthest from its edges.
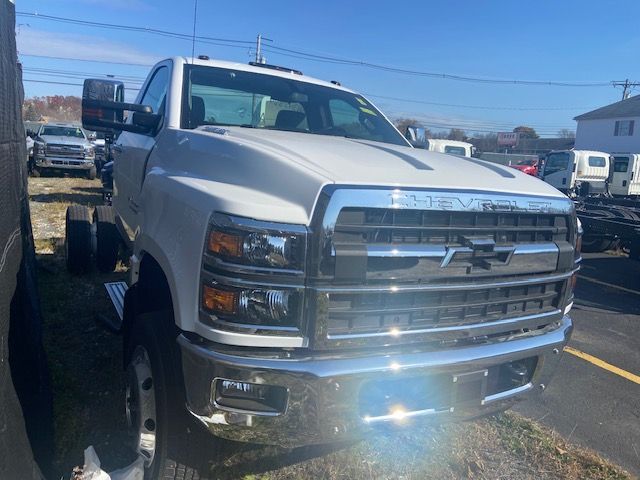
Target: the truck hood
(360, 162)
(278, 176)
(63, 140)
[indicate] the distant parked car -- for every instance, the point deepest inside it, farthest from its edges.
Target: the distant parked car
(530, 167)
(99, 144)
(64, 146)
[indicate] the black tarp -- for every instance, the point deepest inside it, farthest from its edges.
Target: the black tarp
(25, 398)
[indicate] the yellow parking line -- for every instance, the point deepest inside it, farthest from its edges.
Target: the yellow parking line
(610, 285)
(602, 364)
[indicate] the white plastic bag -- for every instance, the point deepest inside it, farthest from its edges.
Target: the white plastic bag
(92, 470)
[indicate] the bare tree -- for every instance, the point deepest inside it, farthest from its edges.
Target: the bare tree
(457, 134)
(566, 133)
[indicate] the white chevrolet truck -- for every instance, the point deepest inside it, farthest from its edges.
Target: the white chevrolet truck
(300, 274)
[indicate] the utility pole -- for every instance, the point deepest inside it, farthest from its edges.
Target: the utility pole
(259, 39)
(626, 85)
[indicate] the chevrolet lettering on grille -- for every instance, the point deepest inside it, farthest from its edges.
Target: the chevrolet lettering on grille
(452, 203)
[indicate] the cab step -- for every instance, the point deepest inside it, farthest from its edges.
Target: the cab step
(116, 291)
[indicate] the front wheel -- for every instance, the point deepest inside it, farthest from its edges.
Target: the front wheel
(156, 415)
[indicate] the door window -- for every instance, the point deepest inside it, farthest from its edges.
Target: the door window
(556, 162)
(620, 164)
(597, 162)
(156, 91)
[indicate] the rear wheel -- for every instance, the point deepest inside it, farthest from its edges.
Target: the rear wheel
(594, 244)
(158, 422)
(108, 239)
(78, 239)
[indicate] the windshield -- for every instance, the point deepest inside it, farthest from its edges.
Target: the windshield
(528, 163)
(219, 96)
(61, 131)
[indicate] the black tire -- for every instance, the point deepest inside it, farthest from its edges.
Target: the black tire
(108, 239)
(595, 244)
(78, 239)
(179, 441)
(91, 173)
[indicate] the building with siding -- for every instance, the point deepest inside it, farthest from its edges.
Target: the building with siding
(613, 128)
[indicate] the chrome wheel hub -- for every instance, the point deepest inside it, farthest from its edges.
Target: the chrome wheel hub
(141, 404)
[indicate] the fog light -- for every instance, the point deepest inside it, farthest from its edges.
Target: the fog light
(250, 397)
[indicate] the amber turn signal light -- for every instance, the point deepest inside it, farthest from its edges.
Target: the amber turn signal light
(225, 244)
(219, 301)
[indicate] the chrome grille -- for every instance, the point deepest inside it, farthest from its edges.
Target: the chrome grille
(62, 150)
(422, 267)
(384, 226)
(350, 313)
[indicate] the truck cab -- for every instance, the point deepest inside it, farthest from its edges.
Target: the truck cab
(577, 172)
(417, 138)
(625, 178)
(452, 147)
(300, 274)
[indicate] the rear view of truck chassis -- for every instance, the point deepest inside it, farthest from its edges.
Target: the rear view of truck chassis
(610, 223)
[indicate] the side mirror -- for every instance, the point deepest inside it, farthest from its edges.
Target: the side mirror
(103, 108)
(92, 137)
(416, 136)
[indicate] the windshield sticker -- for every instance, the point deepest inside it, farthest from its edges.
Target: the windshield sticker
(368, 111)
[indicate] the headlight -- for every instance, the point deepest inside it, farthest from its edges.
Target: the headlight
(256, 244)
(89, 151)
(39, 148)
(267, 307)
(253, 277)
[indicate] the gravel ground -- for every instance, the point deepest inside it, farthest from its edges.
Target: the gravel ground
(87, 378)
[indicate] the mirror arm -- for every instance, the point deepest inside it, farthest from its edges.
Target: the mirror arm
(107, 104)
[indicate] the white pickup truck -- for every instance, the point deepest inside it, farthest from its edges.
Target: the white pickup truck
(300, 274)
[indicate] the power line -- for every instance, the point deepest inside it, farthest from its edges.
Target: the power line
(448, 76)
(478, 107)
(133, 28)
(111, 62)
(316, 57)
(31, 80)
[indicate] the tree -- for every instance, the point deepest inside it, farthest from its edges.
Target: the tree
(526, 132)
(402, 124)
(457, 134)
(487, 142)
(55, 107)
(566, 133)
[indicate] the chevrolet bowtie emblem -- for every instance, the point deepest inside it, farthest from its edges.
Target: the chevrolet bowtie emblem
(477, 254)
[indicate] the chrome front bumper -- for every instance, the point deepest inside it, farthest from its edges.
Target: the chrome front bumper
(64, 163)
(323, 393)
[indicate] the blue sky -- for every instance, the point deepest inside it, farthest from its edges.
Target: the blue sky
(574, 41)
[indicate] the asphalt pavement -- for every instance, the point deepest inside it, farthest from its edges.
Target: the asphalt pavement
(594, 398)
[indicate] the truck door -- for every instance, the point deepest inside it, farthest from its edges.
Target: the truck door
(559, 170)
(131, 152)
(621, 178)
